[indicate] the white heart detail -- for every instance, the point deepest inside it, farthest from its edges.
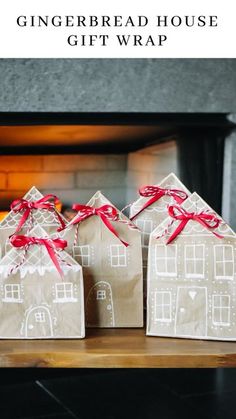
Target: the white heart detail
(192, 294)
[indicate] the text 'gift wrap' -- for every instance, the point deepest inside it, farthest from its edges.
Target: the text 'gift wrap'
(108, 246)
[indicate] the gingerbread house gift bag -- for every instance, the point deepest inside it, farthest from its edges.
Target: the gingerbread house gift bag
(108, 246)
(41, 289)
(32, 209)
(191, 274)
(151, 209)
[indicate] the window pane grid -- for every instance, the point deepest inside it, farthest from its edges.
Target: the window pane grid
(12, 292)
(101, 295)
(64, 291)
(163, 306)
(224, 262)
(221, 310)
(165, 260)
(40, 317)
(194, 261)
(118, 255)
(84, 254)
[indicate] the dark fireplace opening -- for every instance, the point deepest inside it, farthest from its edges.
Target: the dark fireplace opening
(74, 155)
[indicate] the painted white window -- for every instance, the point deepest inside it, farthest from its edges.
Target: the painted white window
(40, 317)
(163, 306)
(64, 292)
(224, 261)
(83, 253)
(12, 293)
(118, 255)
(165, 259)
(194, 260)
(221, 310)
(101, 295)
(146, 227)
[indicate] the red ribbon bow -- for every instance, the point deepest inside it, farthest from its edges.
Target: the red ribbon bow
(44, 203)
(107, 213)
(50, 244)
(207, 220)
(155, 192)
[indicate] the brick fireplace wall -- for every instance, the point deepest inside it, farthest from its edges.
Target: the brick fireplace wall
(74, 178)
(148, 166)
(120, 85)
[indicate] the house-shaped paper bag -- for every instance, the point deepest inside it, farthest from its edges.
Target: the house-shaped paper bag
(108, 246)
(41, 290)
(32, 209)
(191, 275)
(151, 209)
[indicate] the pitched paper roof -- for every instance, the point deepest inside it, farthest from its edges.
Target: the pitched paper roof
(40, 216)
(194, 203)
(172, 182)
(98, 199)
(35, 259)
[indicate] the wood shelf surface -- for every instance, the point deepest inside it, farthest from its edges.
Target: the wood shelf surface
(117, 348)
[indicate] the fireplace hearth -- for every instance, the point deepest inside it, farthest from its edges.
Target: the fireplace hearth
(74, 155)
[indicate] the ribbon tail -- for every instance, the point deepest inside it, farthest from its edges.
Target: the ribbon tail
(23, 220)
(124, 243)
(111, 228)
(213, 232)
(147, 204)
(177, 231)
(217, 235)
(63, 225)
(54, 258)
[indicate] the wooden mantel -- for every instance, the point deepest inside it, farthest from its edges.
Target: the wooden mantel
(118, 348)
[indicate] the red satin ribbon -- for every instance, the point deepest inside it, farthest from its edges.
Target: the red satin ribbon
(50, 244)
(207, 220)
(155, 192)
(107, 213)
(27, 206)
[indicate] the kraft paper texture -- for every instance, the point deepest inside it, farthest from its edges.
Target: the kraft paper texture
(191, 281)
(152, 216)
(112, 272)
(47, 219)
(36, 303)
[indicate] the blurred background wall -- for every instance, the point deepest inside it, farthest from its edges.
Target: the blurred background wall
(205, 160)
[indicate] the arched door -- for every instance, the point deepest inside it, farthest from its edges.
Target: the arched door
(38, 323)
(99, 306)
